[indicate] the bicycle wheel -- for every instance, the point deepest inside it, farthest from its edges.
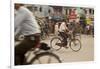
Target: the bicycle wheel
(75, 45)
(55, 43)
(45, 58)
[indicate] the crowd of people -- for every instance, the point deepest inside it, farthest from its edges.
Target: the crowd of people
(51, 22)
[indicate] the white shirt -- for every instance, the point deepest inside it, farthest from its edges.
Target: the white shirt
(25, 22)
(62, 27)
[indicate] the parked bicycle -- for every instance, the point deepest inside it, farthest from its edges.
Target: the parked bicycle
(57, 42)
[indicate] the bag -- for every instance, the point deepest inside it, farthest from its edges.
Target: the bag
(44, 46)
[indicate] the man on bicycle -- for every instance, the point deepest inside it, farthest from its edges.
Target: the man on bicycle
(26, 25)
(63, 29)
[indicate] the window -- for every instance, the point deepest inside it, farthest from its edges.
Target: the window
(66, 11)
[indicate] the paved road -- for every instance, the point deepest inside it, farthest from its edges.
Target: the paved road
(67, 55)
(85, 54)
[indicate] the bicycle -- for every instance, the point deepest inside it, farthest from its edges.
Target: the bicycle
(74, 44)
(41, 56)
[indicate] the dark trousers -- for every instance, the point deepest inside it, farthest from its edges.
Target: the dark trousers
(25, 46)
(64, 36)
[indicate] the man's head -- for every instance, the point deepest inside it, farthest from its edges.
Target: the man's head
(17, 6)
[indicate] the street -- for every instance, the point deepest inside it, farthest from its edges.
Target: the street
(85, 54)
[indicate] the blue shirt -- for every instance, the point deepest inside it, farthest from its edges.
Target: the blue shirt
(25, 22)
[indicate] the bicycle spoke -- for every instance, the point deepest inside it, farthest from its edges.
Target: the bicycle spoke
(75, 45)
(45, 58)
(56, 43)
